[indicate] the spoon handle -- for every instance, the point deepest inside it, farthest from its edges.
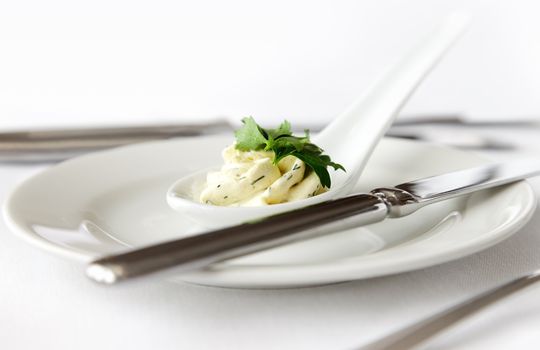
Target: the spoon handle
(364, 123)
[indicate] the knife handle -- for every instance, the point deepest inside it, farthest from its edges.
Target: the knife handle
(201, 250)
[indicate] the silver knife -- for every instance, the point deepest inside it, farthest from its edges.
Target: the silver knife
(198, 251)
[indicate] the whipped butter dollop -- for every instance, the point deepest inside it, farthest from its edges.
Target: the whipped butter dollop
(249, 178)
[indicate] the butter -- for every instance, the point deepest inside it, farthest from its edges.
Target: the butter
(251, 179)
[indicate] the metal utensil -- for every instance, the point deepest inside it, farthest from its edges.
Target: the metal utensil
(55, 145)
(427, 328)
(462, 139)
(34, 146)
(461, 120)
(360, 209)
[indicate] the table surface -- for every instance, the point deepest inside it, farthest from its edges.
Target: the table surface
(47, 302)
(69, 64)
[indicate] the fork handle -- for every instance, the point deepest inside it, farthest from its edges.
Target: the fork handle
(427, 328)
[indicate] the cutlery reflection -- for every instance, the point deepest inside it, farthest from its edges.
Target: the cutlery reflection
(187, 254)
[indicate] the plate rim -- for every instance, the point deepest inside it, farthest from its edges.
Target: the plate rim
(496, 236)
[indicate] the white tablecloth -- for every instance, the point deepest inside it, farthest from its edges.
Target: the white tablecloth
(71, 63)
(46, 302)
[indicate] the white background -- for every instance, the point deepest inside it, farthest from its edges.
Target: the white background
(67, 63)
(71, 62)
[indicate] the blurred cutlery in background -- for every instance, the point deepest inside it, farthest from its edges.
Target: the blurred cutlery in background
(462, 139)
(463, 120)
(36, 146)
(421, 331)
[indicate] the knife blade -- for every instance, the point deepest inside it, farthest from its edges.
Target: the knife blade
(195, 252)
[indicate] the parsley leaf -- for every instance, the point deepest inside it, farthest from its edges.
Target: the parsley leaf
(281, 141)
(250, 136)
(284, 129)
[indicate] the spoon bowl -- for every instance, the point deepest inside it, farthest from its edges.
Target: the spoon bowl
(349, 139)
(183, 196)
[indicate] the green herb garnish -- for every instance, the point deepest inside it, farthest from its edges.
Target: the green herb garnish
(252, 137)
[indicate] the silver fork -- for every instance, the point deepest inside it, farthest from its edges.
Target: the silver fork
(421, 331)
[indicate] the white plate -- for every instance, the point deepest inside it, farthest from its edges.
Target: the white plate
(103, 202)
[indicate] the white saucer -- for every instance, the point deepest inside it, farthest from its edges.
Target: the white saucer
(102, 202)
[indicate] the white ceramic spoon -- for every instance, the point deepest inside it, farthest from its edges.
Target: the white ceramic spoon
(349, 139)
